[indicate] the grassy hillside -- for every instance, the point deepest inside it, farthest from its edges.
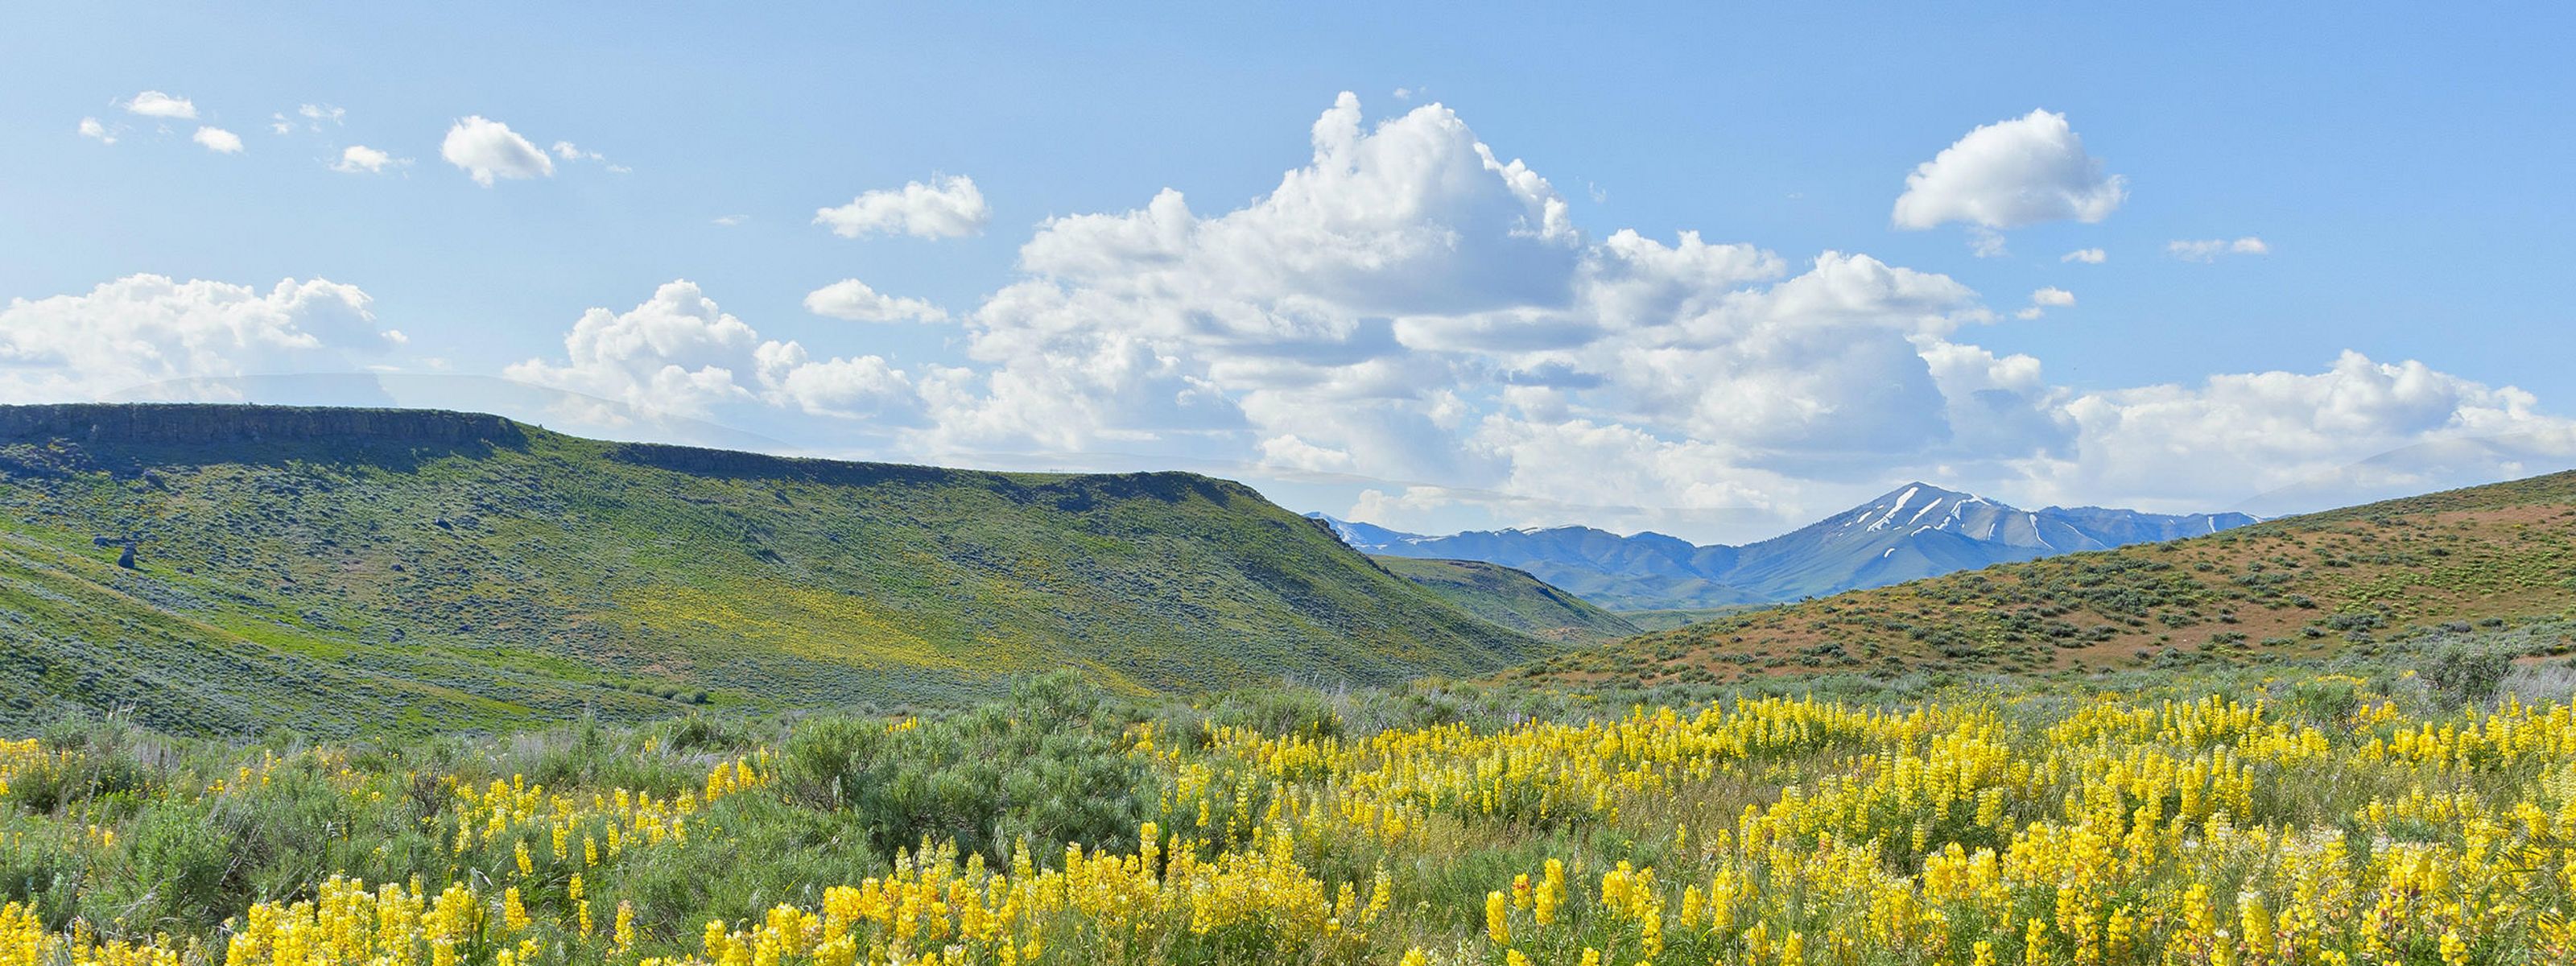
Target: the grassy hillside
(1511, 598)
(320, 569)
(1665, 620)
(2366, 579)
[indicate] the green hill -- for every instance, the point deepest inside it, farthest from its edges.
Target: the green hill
(328, 569)
(1511, 598)
(2498, 561)
(1665, 620)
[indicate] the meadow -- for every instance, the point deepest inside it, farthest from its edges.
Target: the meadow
(2423, 813)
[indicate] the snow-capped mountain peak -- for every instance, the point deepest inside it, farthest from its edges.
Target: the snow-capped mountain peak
(1915, 530)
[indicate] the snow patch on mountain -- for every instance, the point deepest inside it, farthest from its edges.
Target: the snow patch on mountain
(1941, 531)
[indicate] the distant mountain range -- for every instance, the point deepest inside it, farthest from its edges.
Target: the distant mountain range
(1915, 531)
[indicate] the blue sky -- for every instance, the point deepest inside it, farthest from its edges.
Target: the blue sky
(2407, 180)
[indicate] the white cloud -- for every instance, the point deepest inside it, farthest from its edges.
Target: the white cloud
(674, 352)
(573, 152)
(2044, 299)
(488, 150)
(2208, 249)
(361, 159)
(314, 115)
(1403, 260)
(728, 221)
(950, 209)
(2235, 435)
(1406, 306)
(91, 128)
(1294, 453)
(2088, 256)
(1985, 242)
(2010, 174)
(218, 140)
(679, 353)
(148, 328)
(865, 387)
(1158, 323)
(160, 105)
(852, 299)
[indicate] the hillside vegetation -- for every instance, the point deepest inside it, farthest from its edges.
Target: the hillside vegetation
(2203, 821)
(1511, 598)
(2477, 562)
(323, 569)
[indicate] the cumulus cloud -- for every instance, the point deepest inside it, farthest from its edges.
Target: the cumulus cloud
(2010, 174)
(488, 150)
(1410, 305)
(1405, 305)
(149, 328)
(2209, 249)
(678, 353)
(91, 128)
(218, 140)
(1294, 453)
(2234, 435)
(2088, 256)
(361, 159)
(1159, 323)
(951, 208)
(728, 221)
(852, 299)
(160, 105)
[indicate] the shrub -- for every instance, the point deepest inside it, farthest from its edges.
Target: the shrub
(2466, 673)
(2326, 702)
(1045, 767)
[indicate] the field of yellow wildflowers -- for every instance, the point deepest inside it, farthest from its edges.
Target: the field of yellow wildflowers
(2321, 820)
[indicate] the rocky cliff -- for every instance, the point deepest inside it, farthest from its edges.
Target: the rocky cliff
(201, 423)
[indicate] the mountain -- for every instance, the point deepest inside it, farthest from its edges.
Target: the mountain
(2495, 562)
(1512, 598)
(326, 568)
(1913, 531)
(1646, 571)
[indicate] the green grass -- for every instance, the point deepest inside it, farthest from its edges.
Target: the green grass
(435, 578)
(1511, 598)
(1668, 618)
